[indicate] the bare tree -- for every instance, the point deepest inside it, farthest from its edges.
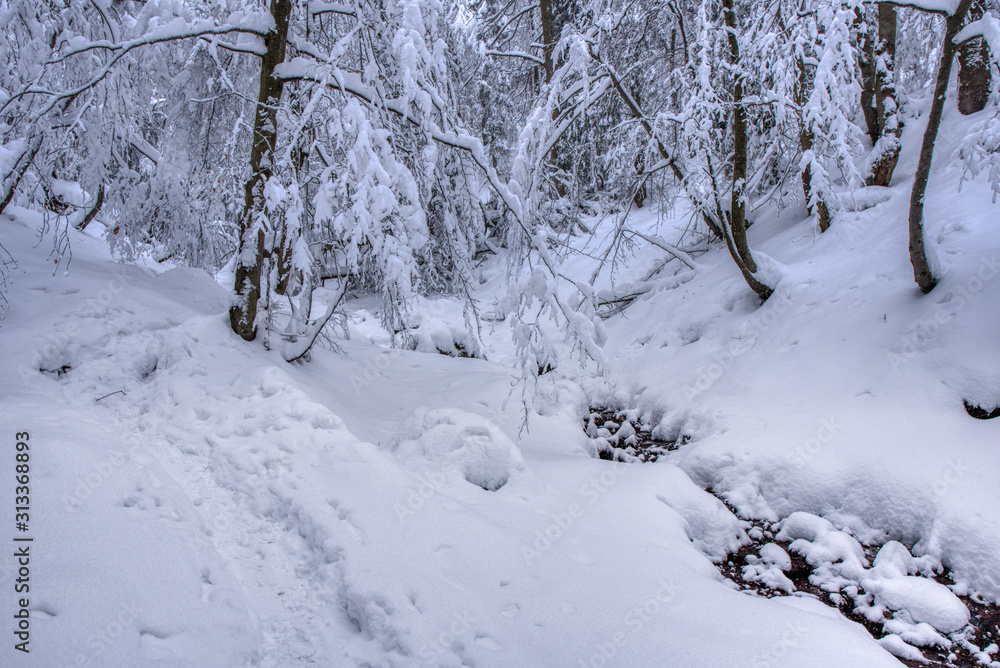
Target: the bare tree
(923, 272)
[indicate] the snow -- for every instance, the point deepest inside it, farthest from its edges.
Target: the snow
(900, 648)
(453, 441)
(922, 599)
(198, 501)
(69, 192)
(201, 502)
(768, 570)
(865, 198)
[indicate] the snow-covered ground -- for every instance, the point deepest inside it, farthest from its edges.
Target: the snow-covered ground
(196, 501)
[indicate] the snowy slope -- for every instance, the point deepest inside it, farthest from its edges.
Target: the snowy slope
(843, 394)
(196, 501)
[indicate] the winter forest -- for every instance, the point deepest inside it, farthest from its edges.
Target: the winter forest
(555, 333)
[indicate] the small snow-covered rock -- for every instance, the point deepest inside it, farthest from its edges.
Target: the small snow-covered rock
(774, 554)
(922, 599)
(625, 434)
(770, 576)
(430, 333)
(804, 525)
(449, 438)
(767, 570)
(919, 634)
(893, 560)
(898, 647)
(831, 548)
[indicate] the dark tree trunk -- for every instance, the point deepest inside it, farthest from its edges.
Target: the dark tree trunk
(13, 179)
(737, 216)
(548, 21)
(639, 198)
(806, 139)
(549, 37)
(866, 63)
(886, 150)
(251, 254)
(94, 210)
(973, 69)
(736, 240)
(922, 271)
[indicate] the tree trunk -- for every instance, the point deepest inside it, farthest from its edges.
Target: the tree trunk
(866, 63)
(13, 179)
(922, 270)
(973, 69)
(886, 149)
(736, 240)
(806, 140)
(548, 36)
(737, 214)
(251, 255)
(639, 197)
(94, 210)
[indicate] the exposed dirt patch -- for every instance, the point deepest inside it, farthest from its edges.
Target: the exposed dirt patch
(619, 435)
(981, 413)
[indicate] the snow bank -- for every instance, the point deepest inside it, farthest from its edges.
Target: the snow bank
(452, 440)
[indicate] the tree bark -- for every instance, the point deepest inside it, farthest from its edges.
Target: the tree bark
(737, 214)
(886, 149)
(548, 22)
(973, 69)
(252, 253)
(866, 63)
(549, 36)
(13, 179)
(806, 139)
(922, 271)
(736, 239)
(94, 210)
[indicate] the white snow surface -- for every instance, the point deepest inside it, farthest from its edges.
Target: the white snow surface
(197, 501)
(451, 441)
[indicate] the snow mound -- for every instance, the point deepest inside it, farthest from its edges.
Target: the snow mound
(922, 599)
(452, 440)
(805, 526)
(863, 199)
